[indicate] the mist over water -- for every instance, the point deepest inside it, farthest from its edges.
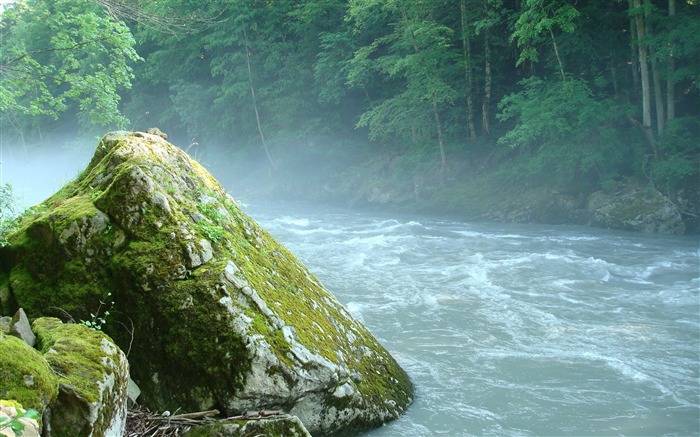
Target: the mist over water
(36, 175)
(516, 330)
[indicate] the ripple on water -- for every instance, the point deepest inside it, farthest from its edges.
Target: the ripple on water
(518, 330)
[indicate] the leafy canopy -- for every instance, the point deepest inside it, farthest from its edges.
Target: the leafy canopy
(58, 53)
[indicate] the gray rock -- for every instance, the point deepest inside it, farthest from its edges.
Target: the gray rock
(633, 207)
(5, 322)
(20, 328)
(285, 425)
(133, 391)
(31, 426)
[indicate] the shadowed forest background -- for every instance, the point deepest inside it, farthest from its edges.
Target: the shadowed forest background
(439, 106)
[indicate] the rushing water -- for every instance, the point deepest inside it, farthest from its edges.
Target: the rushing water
(517, 330)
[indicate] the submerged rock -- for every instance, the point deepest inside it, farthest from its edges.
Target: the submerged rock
(215, 312)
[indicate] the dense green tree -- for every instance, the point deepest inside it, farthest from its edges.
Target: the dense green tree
(415, 52)
(61, 55)
(573, 91)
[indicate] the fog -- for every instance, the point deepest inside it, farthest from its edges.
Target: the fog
(37, 174)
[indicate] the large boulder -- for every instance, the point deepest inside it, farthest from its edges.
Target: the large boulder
(213, 311)
(634, 207)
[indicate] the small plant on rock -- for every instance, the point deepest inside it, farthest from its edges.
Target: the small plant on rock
(99, 318)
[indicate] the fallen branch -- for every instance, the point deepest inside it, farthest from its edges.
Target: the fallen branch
(197, 415)
(144, 423)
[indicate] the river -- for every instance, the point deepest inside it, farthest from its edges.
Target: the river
(516, 330)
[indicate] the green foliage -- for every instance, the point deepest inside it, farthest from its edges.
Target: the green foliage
(59, 53)
(412, 54)
(212, 230)
(537, 22)
(15, 424)
(565, 128)
(334, 81)
(8, 212)
(679, 162)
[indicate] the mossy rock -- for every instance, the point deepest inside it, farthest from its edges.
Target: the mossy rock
(93, 376)
(25, 375)
(215, 313)
(631, 206)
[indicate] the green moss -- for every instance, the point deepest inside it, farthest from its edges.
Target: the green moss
(12, 404)
(89, 372)
(25, 375)
(75, 353)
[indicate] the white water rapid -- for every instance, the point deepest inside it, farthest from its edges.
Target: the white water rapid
(516, 330)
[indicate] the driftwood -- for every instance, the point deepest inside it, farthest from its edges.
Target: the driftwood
(140, 422)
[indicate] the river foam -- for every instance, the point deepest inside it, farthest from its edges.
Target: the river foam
(517, 330)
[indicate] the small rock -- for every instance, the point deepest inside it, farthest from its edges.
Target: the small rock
(133, 391)
(156, 131)
(93, 378)
(20, 328)
(5, 324)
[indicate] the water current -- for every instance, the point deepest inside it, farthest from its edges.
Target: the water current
(516, 330)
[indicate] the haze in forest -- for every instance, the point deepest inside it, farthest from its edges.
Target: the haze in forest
(435, 106)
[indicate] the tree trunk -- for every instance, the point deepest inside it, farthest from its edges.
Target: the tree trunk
(255, 103)
(466, 44)
(644, 69)
(613, 75)
(485, 106)
(670, 83)
(443, 160)
(634, 53)
(556, 52)
(658, 96)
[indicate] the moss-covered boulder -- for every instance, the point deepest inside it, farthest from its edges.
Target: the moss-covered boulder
(215, 312)
(93, 375)
(25, 375)
(632, 206)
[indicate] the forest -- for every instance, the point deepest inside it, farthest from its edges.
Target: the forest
(300, 97)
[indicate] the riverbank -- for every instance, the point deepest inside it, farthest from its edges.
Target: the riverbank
(493, 194)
